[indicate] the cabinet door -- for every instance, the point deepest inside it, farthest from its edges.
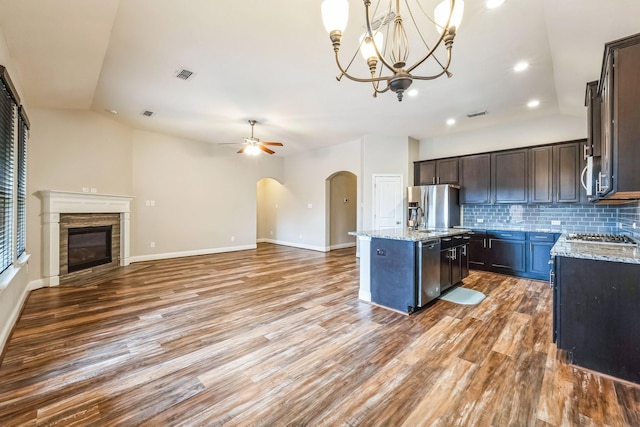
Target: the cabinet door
(447, 171)
(541, 170)
(425, 173)
(476, 249)
(566, 158)
(456, 265)
(606, 117)
(464, 260)
(593, 100)
(509, 170)
(475, 179)
(507, 255)
(539, 256)
(445, 269)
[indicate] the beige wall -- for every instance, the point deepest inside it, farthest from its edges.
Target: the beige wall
(343, 192)
(269, 193)
(69, 150)
(205, 199)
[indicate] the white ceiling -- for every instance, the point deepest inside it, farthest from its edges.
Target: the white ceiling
(272, 61)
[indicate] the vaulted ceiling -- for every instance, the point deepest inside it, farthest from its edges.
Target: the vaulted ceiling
(272, 61)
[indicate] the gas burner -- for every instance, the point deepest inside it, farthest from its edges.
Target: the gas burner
(609, 239)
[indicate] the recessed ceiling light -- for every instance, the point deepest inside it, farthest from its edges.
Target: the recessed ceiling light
(533, 103)
(413, 92)
(492, 4)
(451, 122)
(521, 66)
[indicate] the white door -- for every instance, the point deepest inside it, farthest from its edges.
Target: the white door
(388, 201)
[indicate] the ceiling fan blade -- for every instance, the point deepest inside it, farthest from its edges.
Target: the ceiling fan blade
(240, 151)
(279, 144)
(265, 149)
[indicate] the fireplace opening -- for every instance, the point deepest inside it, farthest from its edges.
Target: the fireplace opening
(89, 247)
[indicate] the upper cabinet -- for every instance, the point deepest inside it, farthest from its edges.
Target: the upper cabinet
(442, 171)
(475, 179)
(566, 172)
(620, 132)
(509, 180)
(594, 130)
(541, 174)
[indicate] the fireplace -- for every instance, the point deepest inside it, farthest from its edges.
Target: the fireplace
(88, 247)
(63, 211)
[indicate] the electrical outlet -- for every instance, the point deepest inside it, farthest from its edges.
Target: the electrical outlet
(633, 225)
(310, 206)
(233, 238)
(276, 206)
(94, 190)
(271, 232)
(300, 236)
(147, 202)
(555, 222)
(152, 244)
(153, 202)
(85, 189)
(479, 220)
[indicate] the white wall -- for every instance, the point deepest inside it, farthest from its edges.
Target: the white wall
(205, 198)
(542, 130)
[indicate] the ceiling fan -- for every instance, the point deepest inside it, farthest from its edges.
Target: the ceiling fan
(253, 145)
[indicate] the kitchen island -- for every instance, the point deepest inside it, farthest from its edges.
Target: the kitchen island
(596, 295)
(404, 269)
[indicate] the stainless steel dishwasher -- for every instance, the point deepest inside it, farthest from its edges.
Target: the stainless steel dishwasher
(428, 267)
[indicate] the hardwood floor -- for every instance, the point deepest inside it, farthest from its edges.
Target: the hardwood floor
(276, 336)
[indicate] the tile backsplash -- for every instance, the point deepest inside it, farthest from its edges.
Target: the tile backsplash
(628, 215)
(557, 217)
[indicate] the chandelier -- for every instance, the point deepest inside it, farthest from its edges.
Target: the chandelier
(385, 41)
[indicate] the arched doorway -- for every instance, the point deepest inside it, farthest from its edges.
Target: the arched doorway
(342, 202)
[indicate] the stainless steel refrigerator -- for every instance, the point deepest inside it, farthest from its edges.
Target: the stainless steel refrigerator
(433, 207)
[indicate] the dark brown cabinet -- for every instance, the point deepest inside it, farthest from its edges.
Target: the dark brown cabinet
(541, 174)
(620, 132)
(596, 314)
(454, 261)
(443, 171)
(476, 251)
(475, 179)
(566, 172)
(507, 251)
(594, 130)
(509, 180)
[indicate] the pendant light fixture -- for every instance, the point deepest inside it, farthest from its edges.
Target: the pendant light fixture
(385, 44)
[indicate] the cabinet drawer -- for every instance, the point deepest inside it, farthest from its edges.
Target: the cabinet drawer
(507, 235)
(541, 237)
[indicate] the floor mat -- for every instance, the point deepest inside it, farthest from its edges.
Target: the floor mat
(463, 296)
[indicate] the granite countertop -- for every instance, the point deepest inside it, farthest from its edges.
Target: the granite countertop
(595, 251)
(409, 234)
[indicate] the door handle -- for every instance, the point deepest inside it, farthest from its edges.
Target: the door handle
(484, 243)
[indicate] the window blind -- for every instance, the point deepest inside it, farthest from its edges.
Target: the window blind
(7, 114)
(21, 199)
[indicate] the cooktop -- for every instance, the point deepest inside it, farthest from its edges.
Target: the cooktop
(609, 239)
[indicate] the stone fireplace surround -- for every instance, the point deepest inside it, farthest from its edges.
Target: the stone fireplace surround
(55, 203)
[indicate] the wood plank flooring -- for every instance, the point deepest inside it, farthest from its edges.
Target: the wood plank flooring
(277, 337)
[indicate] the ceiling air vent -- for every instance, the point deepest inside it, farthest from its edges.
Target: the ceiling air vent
(147, 113)
(184, 74)
(477, 113)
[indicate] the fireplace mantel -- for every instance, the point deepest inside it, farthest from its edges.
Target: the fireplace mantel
(55, 203)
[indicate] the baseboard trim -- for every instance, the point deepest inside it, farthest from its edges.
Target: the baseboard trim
(5, 333)
(296, 245)
(343, 246)
(37, 284)
(156, 257)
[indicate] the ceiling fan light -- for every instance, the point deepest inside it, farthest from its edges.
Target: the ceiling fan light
(367, 48)
(441, 14)
(252, 150)
(335, 14)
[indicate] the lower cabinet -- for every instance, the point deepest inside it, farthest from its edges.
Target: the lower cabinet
(454, 260)
(516, 253)
(596, 314)
(507, 251)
